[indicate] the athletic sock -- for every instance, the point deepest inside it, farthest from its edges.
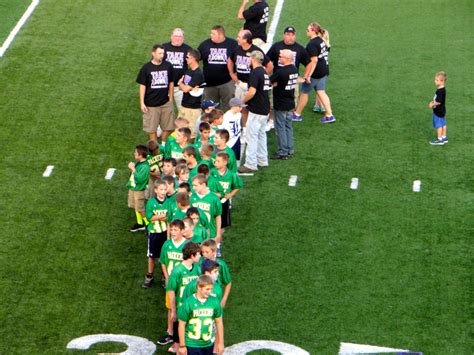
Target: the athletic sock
(139, 218)
(145, 221)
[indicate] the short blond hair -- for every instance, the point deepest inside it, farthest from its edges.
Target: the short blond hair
(441, 74)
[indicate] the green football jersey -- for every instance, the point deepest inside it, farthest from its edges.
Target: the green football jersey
(172, 254)
(155, 162)
(180, 277)
(175, 213)
(211, 205)
(199, 317)
(214, 186)
(171, 138)
(174, 150)
(192, 287)
(155, 207)
(232, 163)
(193, 172)
(138, 180)
(224, 273)
(200, 234)
(207, 162)
(229, 180)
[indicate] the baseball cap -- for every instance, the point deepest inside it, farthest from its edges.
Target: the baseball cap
(208, 265)
(235, 101)
(289, 29)
(208, 103)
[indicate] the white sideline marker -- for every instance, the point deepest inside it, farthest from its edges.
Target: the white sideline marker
(245, 174)
(110, 173)
(292, 180)
(48, 171)
(354, 183)
(416, 186)
(274, 24)
(350, 348)
(18, 27)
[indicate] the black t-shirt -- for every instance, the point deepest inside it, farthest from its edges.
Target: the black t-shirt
(242, 62)
(256, 18)
(177, 57)
(284, 93)
(259, 104)
(299, 54)
(440, 96)
(156, 79)
(214, 58)
(317, 48)
(192, 78)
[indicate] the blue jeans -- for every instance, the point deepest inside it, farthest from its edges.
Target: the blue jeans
(284, 132)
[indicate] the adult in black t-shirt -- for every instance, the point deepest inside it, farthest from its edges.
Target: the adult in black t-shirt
(175, 53)
(239, 62)
(318, 73)
(256, 18)
(284, 81)
(258, 105)
(190, 85)
(156, 94)
(214, 54)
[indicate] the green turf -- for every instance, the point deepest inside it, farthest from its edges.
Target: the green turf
(10, 13)
(380, 265)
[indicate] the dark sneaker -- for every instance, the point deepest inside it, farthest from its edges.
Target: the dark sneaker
(445, 139)
(148, 281)
(165, 339)
(296, 117)
(137, 227)
(437, 142)
(244, 169)
(328, 119)
(279, 157)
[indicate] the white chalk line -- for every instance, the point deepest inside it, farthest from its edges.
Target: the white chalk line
(48, 171)
(273, 25)
(18, 27)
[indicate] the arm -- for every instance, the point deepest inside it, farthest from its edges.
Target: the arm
(310, 70)
(230, 68)
(250, 94)
(165, 273)
(220, 335)
(218, 227)
(269, 67)
(143, 108)
(225, 296)
(240, 14)
(171, 92)
(182, 345)
(172, 298)
(231, 194)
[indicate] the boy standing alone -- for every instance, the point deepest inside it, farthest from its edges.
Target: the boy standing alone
(439, 109)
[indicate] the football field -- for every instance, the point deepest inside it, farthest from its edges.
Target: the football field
(313, 265)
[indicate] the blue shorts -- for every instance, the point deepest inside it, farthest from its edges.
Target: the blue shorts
(316, 84)
(438, 122)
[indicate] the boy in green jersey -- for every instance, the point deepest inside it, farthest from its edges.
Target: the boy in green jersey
(211, 268)
(169, 166)
(197, 317)
(175, 148)
(171, 255)
(209, 203)
(155, 161)
(190, 155)
(156, 210)
(212, 183)
(199, 229)
(182, 275)
(206, 151)
(137, 184)
(182, 174)
(181, 206)
(220, 141)
(203, 136)
(184, 187)
(178, 123)
(189, 233)
(230, 182)
(209, 251)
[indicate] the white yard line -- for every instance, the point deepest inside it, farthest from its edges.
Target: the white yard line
(18, 27)
(110, 173)
(354, 183)
(48, 171)
(274, 24)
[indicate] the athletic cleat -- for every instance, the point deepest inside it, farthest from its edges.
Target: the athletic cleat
(244, 169)
(296, 117)
(137, 227)
(165, 339)
(328, 119)
(445, 140)
(437, 142)
(279, 157)
(148, 281)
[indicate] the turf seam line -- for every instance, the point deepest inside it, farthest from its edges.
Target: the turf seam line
(110, 173)
(48, 171)
(354, 183)
(274, 24)
(18, 27)
(416, 186)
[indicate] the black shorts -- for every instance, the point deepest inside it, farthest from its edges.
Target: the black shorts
(176, 331)
(200, 351)
(155, 243)
(225, 216)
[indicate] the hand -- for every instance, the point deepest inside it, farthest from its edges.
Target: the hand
(234, 77)
(143, 108)
(228, 196)
(300, 80)
(182, 351)
(220, 348)
(308, 80)
(131, 166)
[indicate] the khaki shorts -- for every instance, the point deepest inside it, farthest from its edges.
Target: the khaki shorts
(259, 42)
(162, 116)
(241, 90)
(136, 200)
(191, 114)
(178, 97)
